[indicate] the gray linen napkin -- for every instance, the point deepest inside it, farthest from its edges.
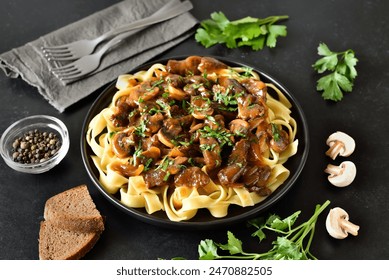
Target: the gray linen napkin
(29, 63)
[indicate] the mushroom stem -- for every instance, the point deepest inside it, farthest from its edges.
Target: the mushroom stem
(342, 175)
(333, 170)
(349, 227)
(335, 148)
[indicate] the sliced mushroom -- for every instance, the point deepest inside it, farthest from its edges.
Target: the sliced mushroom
(165, 138)
(342, 175)
(201, 107)
(249, 107)
(176, 93)
(255, 87)
(239, 127)
(281, 142)
(338, 224)
(127, 169)
(122, 142)
(152, 152)
(340, 144)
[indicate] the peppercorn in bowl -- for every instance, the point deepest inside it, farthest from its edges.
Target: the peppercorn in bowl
(34, 144)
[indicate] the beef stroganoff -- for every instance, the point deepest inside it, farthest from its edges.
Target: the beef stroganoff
(193, 134)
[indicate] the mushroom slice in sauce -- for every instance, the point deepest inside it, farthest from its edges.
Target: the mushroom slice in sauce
(255, 87)
(249, 107)
(239, 127)
(123, 142)
(201, 107)
(127, 169)
(280, 140)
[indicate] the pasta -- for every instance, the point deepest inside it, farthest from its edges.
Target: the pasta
(193, 134)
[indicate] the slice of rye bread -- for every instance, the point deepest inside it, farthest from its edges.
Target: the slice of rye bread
(75, 210)
(60, 244)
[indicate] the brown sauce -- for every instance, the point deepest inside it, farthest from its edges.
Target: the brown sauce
(182, 121)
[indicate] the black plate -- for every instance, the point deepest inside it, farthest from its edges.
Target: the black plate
(203, 219)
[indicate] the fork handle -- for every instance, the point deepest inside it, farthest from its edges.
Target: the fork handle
(168, 11)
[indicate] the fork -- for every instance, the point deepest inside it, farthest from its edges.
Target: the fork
(78, 49)
(87, 64)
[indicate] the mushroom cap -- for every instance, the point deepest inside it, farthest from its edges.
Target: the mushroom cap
(333, 224)
(338, 225)
(164, 139)
(342, 175)
(348, 143)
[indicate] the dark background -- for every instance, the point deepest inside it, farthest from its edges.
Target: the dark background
(356, 24)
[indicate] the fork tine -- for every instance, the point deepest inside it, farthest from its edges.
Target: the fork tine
(58, 53)
(53, 48)
(62, 56)
(64, 71)
(64, 67)
(58, 50)
(71, 77)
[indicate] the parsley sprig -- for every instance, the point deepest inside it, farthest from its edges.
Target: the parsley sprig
(291, 242)
(247, 31)
(340, 67)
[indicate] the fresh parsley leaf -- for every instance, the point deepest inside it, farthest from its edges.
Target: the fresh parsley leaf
(286, 223)
(291, 243)
(274, 32)
(259, 223)
(247, 31)
(340, 72)
(207, 250)
(332, 86)
(234, 245)
(286, 249)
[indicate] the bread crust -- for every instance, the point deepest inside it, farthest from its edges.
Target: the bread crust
(65, 210)
(72, 225)
(60, 244)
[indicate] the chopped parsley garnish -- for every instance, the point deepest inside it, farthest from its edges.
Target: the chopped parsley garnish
(207, 147)
(227, 99)
(275, 132)
(141, 129)
(221, 135)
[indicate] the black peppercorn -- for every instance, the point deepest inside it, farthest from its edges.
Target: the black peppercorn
(35, 147)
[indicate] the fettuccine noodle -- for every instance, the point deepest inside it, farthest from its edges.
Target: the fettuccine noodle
(229, 146)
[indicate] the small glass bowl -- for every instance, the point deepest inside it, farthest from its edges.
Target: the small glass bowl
(42, 123)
